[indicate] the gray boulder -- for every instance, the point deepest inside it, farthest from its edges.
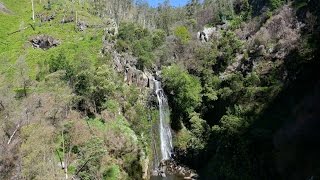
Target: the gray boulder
(44, 42)
(67, 19)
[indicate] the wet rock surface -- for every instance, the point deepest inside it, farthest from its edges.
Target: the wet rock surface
(170, 167)
(44, 42)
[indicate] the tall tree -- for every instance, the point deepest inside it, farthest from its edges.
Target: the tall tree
(22, 74)
(191, 8)
(164, 14)
(32, 4)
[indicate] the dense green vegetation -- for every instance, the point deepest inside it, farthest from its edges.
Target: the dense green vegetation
(141, 42)
(231, 122)
(244, 103)
(67, 103)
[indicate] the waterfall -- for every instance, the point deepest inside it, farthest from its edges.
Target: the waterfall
(164, 128)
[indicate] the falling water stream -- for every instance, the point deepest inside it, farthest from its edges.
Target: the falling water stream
(163, 133)
(164, 128)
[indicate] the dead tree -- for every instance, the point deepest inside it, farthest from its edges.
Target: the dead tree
(32, 4)
(1, 106)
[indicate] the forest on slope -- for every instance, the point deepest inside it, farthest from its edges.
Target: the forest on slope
(77, 100)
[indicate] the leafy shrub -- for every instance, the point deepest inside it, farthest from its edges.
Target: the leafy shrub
(182, 33)
(145, 60)
(21, 92)
(207, 55)
(91, 153)
(211, 87)
(158, 38)
(229, 45)
(140, 32)
(185, 87)
(252, 80)
(126, 31)
(140, 41)
(61, 63)
(111, 105)
(131, 32)
(200, 131)
(142, 46)
(122, 46)
(182, 139)
(112, 173)
(275, 4)
(236, 22)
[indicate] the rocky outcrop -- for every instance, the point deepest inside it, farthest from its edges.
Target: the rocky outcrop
(268, 43)
(206, 34)
(109, 26)
(112, 27)
(211, 32)
(44, 42)
(82, 25)
(145, 168)
(46, 17)
(278, 36)
(125, 64)
(170, 167)
(67, 19)
(135, 76)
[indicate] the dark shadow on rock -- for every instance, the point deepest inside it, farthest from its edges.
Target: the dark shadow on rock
(44, 42)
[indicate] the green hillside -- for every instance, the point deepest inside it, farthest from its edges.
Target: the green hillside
(78, 99)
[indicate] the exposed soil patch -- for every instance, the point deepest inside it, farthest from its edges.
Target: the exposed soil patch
(3, 9)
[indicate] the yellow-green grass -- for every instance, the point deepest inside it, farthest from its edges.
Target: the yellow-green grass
(12, 46)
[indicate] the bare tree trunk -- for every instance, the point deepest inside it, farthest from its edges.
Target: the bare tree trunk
(1, 106)
(20, 31)
(67, 160)
(82, 167)
(76, 18)
(61, 163)
(64, 156)
(25, 88)
(14, 132)
(32, 10)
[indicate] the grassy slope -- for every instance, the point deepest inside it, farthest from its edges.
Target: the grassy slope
(17, 44)
(72, 41)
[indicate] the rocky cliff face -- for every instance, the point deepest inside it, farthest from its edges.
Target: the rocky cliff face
(267, 42)
(125, 63)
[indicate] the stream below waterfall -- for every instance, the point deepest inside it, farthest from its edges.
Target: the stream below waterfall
(168, 177)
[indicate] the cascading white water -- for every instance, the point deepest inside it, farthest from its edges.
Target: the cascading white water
(164, 128)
